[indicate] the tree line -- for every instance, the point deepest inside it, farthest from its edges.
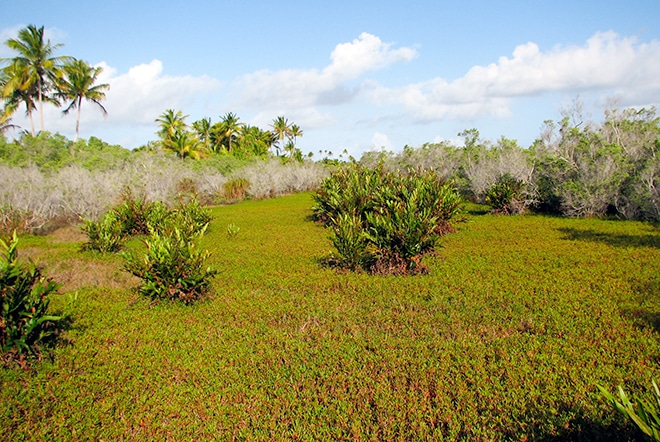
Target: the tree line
(228, 136)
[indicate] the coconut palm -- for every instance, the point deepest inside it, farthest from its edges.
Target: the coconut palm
(38, 68)
(14, 91)
(296, 132)
(203, 130)
(226, 131)
(171, 123)
(77, 84)
(185, 145)
(282, 130)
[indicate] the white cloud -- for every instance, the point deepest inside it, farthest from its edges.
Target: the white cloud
(143, 93)
(294, 89)
(381, 141)
(606, 62)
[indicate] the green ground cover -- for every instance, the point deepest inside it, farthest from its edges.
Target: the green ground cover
(505, 338)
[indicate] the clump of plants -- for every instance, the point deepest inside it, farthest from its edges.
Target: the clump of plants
(105, 236)
(25, 324)
(173, 266)
(383, 221)
(507, 196)
(137, 216)
(644, 411)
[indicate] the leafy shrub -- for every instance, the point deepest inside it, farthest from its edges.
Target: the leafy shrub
(350, 239)
(385, 221)
(645, 412)
(189, 217)
(133, 213)
(507, 196)
(104, 236)
(25, 324)
(172, 266)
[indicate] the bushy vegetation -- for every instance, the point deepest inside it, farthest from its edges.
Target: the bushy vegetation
(576, 168)
(384, 221)
(25, 321)
(173, 266)
(40, 195)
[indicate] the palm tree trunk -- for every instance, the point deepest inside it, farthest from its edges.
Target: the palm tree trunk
(41, 110)
(75, 138)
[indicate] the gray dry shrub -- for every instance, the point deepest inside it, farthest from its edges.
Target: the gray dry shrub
(273, 178)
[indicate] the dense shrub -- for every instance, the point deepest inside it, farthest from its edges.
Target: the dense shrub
(507, 196)
(104, 236)
(173, 267)
(25, 324)
(384, 221)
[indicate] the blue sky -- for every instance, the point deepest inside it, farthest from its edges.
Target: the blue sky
(354, 75)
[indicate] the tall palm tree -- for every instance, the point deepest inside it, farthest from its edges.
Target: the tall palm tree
(282, 130)
(296, 132)
(230, 128)
(203, 130)
(78, 83)
(35, 55)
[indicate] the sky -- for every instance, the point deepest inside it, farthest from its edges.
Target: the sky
(355, 75)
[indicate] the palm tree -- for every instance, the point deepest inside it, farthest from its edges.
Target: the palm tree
(282, 131)
(203, 130)
(78, 83)
(255, 142)
(185, 145)
(229, 128)
(14, 90)
(36, 62)
(296, 132)
(171, 123)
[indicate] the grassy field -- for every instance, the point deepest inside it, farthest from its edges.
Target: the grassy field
(505, 339)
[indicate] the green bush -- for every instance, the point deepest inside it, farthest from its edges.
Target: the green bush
(133, 213)
(644, 412)
(105, 236)
(383, 221)
(173, 267)
(507, 196)
(25, 324)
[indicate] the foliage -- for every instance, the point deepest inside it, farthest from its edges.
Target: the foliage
(25, 324)
(106, 235)
(645, 413)
(133, 213)
(506, 196)
(384, 221)
(173, 267)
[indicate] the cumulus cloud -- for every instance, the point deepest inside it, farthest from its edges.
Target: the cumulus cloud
(143, 93)
(606, 62)
(293, 89)
(381, 141)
